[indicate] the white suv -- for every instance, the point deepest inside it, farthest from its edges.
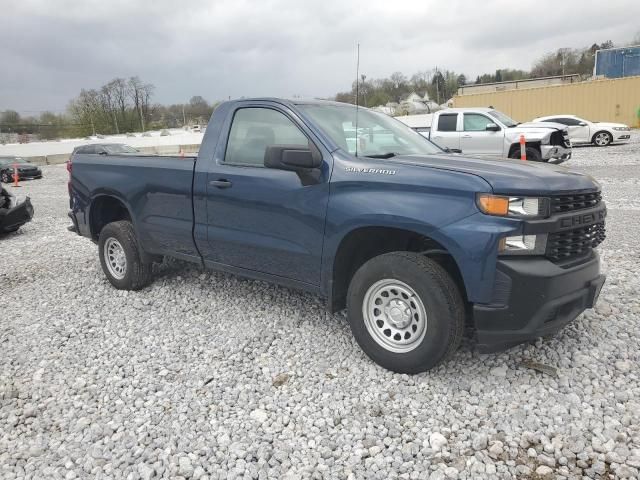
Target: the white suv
(600, 134)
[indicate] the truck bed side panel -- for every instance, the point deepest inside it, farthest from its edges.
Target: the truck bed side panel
(157, 191)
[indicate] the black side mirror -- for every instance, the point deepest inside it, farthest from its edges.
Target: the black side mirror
(292, 157)
(492, 127)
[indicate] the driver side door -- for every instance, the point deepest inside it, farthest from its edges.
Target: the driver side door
(262, 219)
(477, 140)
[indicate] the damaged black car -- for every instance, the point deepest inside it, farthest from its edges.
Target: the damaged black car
(14, 212)
(9, 165)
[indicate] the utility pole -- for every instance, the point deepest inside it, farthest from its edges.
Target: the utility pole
(364, 90)
(184, 118)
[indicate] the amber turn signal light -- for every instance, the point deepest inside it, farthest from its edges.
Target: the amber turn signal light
(493, 205)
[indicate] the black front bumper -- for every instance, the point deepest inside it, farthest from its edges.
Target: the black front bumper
(539, 297)
(13, 218)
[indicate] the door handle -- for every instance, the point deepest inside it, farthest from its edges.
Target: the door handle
(220, 183)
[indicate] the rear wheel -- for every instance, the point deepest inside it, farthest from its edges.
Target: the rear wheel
(405, 312)
(5, 177)
(121, 257)
(602, 139)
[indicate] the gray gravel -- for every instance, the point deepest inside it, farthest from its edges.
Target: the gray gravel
(206, 375)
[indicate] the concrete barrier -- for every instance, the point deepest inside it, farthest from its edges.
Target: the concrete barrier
(57, 159)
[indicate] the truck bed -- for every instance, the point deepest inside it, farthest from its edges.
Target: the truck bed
(156, 189)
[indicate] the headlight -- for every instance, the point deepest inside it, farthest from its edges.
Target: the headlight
(523, 245)
(511, 206)
(622, 129)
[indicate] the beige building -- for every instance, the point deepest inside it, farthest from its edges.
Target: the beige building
(607, 100)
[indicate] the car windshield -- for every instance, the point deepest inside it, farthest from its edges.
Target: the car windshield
(505, 119)
(118, 148)
(377, 135)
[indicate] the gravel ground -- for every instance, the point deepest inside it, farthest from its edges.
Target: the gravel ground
(206, 375)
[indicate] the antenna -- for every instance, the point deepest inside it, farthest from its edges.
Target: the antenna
(357, 93)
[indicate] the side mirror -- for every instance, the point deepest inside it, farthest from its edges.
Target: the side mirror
(292, 157)
(582, 124)
(492, 127)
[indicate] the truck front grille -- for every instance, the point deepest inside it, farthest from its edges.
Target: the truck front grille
(576, 243)
(569, 203)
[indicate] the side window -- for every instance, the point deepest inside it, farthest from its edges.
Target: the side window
(447, 122)
(253, 130)
(474, 122)
(571, 122)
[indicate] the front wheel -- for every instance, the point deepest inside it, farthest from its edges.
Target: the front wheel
(602, 139)
(533, 154)
(121, 258)
(405, 312)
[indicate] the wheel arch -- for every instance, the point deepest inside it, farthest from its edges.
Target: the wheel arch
(364, 242)
(107, 207)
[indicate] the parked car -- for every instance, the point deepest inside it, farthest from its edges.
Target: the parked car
(409, 239)
(14, 212)
(489, 132)
(601, 134)
(25, 169)
(105, 149)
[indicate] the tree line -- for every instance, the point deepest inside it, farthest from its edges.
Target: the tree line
(119, 106)
(440, 85)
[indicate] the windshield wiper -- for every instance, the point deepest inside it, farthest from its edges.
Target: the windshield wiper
(382, 155)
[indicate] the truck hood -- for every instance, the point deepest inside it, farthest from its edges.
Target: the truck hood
(506, 176)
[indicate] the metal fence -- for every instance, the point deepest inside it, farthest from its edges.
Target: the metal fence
(608, 100)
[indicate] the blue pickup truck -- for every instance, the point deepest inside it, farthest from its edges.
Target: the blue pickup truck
(415, 242)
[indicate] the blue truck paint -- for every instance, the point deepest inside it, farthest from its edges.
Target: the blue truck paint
(269, 225)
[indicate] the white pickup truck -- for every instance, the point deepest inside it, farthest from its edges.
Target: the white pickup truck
(488, 132)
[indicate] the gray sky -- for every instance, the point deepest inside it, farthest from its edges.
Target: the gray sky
(50, 49)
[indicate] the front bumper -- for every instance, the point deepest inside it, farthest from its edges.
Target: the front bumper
(539, 297)
(14, 217)
(556, 152)
(621, 136)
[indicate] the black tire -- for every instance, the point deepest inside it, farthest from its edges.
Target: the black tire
(533, 154)
(443, 306)
(606, 136)
(5, 178)
(136, 274)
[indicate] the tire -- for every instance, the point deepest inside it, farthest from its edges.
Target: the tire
(122, 265)
(436, 310)
(5, 178)
(533, 154)
(602, 139)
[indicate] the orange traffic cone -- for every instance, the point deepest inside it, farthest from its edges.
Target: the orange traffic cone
(16, 177)
(523, 148)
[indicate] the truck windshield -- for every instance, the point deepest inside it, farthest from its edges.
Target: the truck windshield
(377, 135)
(505, 119)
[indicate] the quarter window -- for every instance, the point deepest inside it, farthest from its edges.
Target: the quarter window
(254, 129)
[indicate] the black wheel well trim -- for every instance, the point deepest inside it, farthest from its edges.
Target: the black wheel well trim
(351, 255)
(102, 197)
(534, 144)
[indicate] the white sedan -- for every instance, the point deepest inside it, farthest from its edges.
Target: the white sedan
(600, 134)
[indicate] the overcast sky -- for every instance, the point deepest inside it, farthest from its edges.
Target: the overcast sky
(50, 49)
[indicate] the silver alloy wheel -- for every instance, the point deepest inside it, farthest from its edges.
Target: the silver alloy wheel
(115, 258)
(394, 315)
(603, 139)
